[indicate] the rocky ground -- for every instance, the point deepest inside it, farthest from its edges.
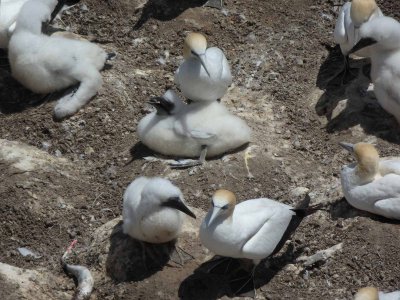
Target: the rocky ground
(65, 180)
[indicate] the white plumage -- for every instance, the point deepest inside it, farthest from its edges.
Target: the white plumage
(9, 10)
(186, 128)
(372, 293)
(384, 36)
(46, 64)
(205, 74)
(153, 210)
(373, 183)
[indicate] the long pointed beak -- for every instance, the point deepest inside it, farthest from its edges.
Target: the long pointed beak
(203, 63)
(57, 9)
(349, 147)
(177, 203)
(214, 214)
(364, 42)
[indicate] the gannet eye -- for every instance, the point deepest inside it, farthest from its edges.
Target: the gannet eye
(225, 206)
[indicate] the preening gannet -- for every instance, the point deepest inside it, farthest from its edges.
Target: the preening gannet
(372, 293)
(372, 184)
(205, 74)
(200, 129)
(384, 34)
(45, 64)
(153, 210)
(253, 229)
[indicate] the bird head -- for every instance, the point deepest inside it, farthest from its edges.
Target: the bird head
(195, 46)
(222, 204)
(361, 11)
(161, 192)
(367, 293)
(60, 5)
(367, 159)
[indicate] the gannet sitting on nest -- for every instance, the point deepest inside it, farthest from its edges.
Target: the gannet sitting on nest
(45, 64)
(372, 184)
(200, 129)
(153, 210)
(205, 74)
(253, 229)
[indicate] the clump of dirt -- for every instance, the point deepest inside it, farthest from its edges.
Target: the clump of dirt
(282, 57)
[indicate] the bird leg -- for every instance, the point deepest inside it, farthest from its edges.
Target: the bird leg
(187, 163)
(216, 262)
(215, 4)
(179, 251)
(248, 278)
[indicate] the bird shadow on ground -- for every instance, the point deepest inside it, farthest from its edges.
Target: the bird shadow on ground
(164, 10)
(132, 260)
(205, 285)
(341, 209)
(346, 106)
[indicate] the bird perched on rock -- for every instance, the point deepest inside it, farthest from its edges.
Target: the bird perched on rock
(253, 229)
(372, 184)
(205, 74)
(45, 64)
(153, 210)
(200, 129)
(383, 34)
(372, 293)
(352, 15)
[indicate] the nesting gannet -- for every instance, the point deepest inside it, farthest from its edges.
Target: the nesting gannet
(198, 129)
(45, 64)
(153, 210)
(372, 293)
(351, 17)
(384, 34)
(254, 229)
(372, 184)
(205, 74)
(9, 10)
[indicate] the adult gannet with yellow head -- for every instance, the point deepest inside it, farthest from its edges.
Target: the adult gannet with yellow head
(373, 183)
(205, 74)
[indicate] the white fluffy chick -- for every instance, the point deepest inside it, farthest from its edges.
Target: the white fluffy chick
(153, 210)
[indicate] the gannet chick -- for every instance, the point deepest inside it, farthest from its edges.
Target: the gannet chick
(205, 74)
(253, 229)
(384, 34)
(153, 210)
(351, 17)
(45, 64)
(9, 10)
(372, 293)
(200, 129)
(372, 184)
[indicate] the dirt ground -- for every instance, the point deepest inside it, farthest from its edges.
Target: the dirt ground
(282, 57)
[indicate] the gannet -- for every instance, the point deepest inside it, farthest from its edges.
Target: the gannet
(45, 64)
(253, 229)
(9, 10)
(372, 184)
(153, 210)
(384, 34)
(205, 74)
(351, 17)
(200, 129)
(372, 293)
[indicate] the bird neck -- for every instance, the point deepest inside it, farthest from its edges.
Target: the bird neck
(366, 173)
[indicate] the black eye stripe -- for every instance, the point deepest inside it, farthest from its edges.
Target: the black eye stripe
(225, 206)
(212, 203)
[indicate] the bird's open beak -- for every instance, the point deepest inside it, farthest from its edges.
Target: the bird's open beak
(349, 147)
(364, 42)
(176, 203)
(57, 9)
(214, 214)
(202, 57)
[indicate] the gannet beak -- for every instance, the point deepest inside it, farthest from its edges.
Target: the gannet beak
(349, 147)
(364, 42)
(57, 9)
(203, 63)
(176, 203)
(215, 213)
